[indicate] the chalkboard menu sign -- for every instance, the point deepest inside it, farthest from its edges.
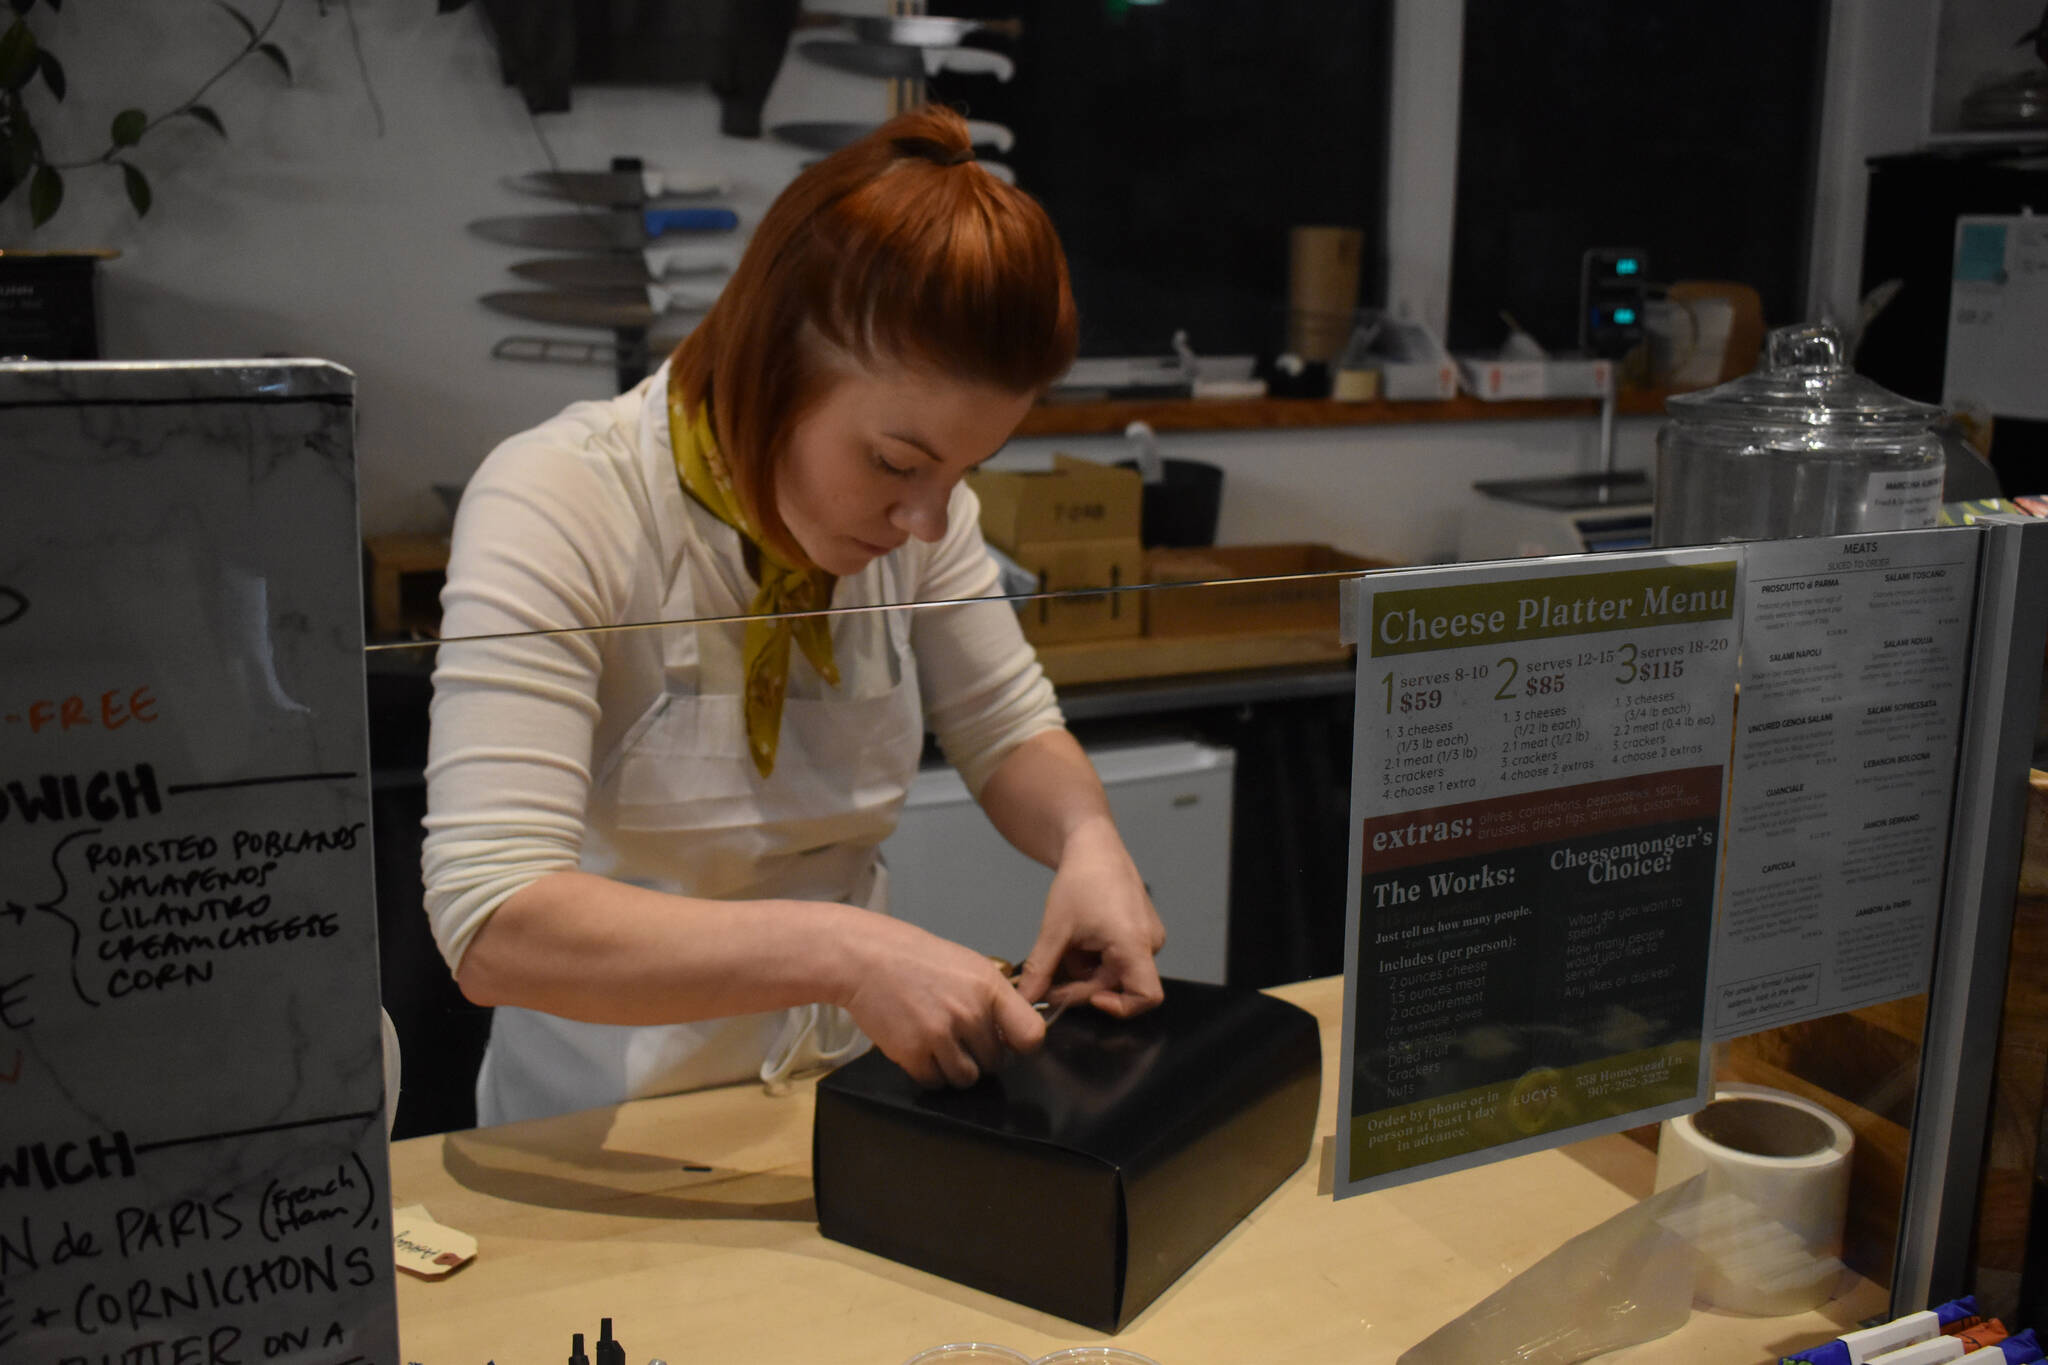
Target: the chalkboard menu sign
(192, 1159)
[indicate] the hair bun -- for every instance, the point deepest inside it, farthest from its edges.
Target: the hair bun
(927, 149)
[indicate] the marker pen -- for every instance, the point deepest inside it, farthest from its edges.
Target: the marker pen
(1979, 1333)
(1859, 1347)
(1936, 1352)
(1871, 1342)
(2021, 1348)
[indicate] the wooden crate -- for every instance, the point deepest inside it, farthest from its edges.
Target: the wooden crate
(1283, 601)
(1152, 656)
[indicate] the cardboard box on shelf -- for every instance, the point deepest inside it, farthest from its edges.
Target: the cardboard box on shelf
(1063, 565)
(1074, 500)
(405, 574)
(1553, 377)
(1413, 364)
(1293, 604)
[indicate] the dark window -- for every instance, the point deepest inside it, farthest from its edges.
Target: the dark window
(1688, 131)
(1175, 143)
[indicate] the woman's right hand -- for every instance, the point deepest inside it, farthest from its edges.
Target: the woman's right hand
(942, 1012)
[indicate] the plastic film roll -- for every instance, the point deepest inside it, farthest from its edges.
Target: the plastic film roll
(1768, 1224)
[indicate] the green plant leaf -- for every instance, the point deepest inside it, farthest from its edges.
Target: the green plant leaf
(208, 117)
(239, 18)
(276, 54)
(138, 188)
(128, 127)
(53, 72)
(17, 55)
(45, 195)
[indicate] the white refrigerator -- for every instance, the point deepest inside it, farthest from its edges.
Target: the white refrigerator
(951, 873)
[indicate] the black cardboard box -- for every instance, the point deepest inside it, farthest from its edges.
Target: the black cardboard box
(1084, 1179)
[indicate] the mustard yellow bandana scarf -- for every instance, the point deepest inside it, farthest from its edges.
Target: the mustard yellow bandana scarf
(764, 650)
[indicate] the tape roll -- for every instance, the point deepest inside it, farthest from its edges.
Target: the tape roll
(1768, 1225)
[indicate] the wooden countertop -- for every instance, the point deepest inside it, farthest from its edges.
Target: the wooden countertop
(1108, 417)
(688, 1221)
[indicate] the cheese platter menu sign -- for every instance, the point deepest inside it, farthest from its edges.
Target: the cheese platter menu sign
(1537, 789)
(192, 1156)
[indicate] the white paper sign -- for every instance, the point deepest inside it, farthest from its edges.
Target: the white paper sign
(1997, 356)
(1853, 667)
(192, 1157)
(1896, 499)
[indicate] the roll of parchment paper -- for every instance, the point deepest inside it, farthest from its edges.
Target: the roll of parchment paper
(1768, 1224)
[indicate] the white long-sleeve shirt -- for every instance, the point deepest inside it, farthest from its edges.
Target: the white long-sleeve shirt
(581, 523)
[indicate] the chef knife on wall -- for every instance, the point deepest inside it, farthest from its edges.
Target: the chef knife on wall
(917, 30)
(898, 62)
(622, 270)
(619, 231)
(618, 189)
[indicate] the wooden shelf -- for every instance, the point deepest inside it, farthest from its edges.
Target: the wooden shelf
(1108, 418)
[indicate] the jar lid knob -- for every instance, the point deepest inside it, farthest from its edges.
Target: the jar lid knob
(1813, 349)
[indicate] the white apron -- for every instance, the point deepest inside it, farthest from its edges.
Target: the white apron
(680, 791)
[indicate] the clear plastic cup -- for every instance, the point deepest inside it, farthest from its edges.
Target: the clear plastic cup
(969, 1353)
(1095, 1355)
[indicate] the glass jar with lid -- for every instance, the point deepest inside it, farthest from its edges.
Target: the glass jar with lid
(1803, 446)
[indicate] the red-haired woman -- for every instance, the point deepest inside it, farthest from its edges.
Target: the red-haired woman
(654, 850)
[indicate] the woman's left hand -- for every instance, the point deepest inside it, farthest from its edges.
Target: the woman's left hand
(1100, 931)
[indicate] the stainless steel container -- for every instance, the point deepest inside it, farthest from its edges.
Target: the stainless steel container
(1803, 446)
